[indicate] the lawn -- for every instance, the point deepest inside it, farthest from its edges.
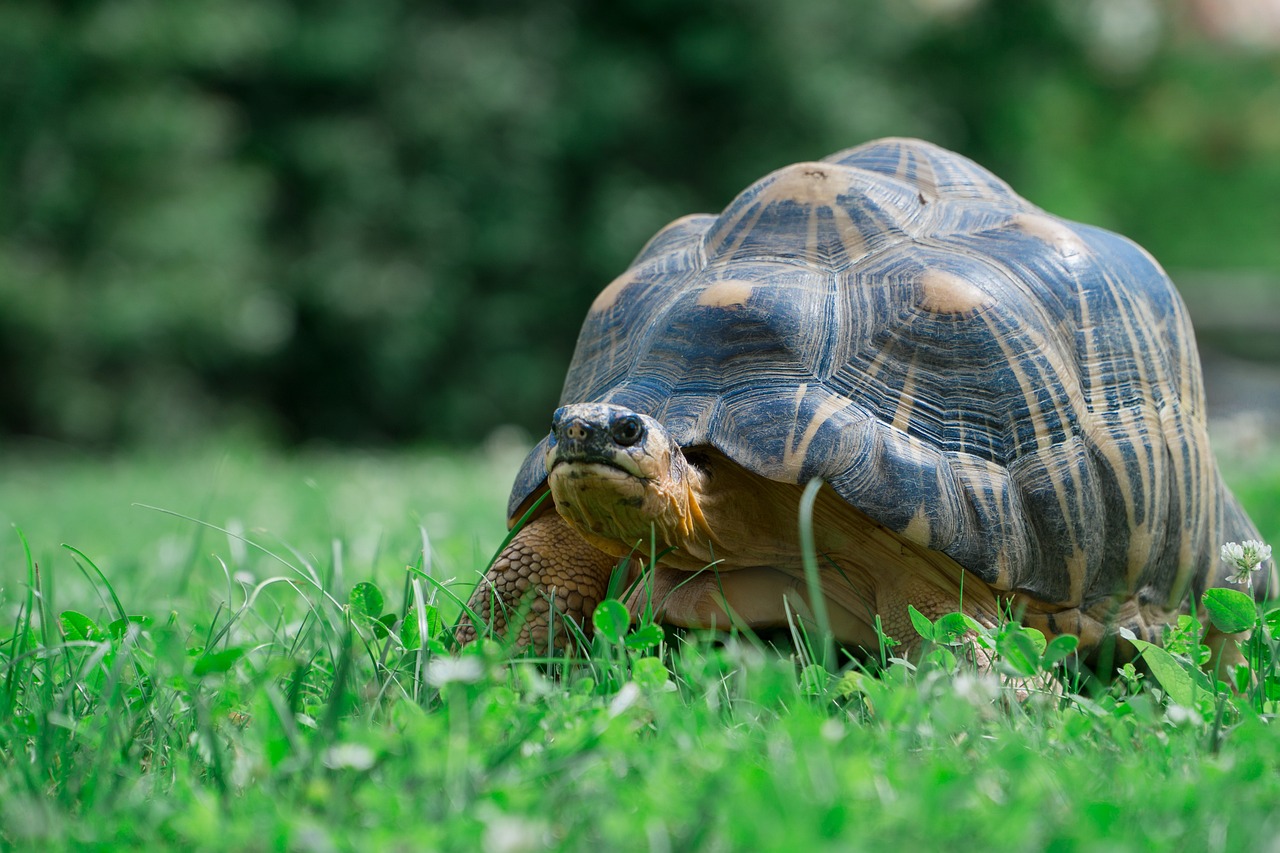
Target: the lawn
(217, 662)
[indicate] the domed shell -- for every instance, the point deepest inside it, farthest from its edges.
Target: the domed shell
(1018, 391)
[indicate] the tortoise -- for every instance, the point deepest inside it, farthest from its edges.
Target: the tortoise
(1005, 409)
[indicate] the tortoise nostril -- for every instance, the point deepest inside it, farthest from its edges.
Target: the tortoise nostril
(627, 431)
(576, 432)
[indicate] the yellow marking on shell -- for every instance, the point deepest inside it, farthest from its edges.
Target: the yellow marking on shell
(946, 293)
(927, 186)
(801, 390)
(608, 297)
(1038, 422)
(1170, 427)
(1205, 479)
(1044, 442)
(1052, 231)
(918, 529)
(878, 363)
(815, 186)
(795, 453)
(1076, 562)
(811, 236)
(804, 183)
(727, 252)
(1151, 477)
(1191, 387)
(854, 242)
(1185, 424)
(1077, 569)
(904, 162)
(1192, 481)
(906, 400)
(994, 481)
(1140, 536)
(726, 294)
(975, 477)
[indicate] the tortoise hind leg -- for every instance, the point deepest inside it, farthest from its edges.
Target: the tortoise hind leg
(545, 575)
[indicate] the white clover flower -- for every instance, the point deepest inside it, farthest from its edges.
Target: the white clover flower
(977, 690)
(624, 699)
(508, 834)
(446, 670)
(353, 755)
(1246, 558)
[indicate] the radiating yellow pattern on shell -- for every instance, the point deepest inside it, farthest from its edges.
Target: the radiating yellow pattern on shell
(1019, 392)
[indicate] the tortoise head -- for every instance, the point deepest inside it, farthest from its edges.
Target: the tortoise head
(615, 474)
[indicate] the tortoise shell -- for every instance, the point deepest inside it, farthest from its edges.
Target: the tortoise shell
(1018, 391)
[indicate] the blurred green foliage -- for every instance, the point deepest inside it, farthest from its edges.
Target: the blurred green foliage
(382, 220)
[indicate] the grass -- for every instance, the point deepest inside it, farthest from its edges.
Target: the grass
(245, 693)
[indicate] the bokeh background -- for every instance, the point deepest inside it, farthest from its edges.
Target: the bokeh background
(381, 221)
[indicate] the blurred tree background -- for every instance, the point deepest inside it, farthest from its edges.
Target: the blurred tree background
(381, 221)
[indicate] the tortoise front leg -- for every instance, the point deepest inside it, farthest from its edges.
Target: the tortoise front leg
(545, 575)
(936, 593)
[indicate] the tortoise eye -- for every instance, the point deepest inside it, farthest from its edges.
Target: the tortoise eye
(627, 431)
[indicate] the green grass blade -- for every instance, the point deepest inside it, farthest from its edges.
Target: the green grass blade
(808, 553)
(83, 560)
